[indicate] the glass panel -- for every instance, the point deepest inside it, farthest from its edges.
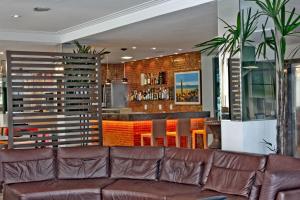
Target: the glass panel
(257, 74)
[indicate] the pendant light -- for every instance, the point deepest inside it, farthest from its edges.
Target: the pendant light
(107, 81)
(124, 79)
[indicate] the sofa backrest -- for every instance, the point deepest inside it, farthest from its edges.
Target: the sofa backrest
(184, 165)
(234, 173)
(82, 162)
(282, 173)
(26, 165)
(135, 162)
(279, 162)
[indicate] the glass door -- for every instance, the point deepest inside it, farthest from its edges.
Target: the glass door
(295, 115)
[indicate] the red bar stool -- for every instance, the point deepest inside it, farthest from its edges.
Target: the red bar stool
(198, 128)
(158, 130)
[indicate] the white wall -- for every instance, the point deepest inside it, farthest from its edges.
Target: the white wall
(248, 136)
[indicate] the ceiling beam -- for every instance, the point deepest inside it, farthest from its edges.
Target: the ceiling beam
(130, 18)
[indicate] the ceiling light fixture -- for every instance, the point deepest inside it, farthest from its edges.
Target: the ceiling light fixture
(175, 53)
(1, 53)
(153, 48)
(180, 49)
(41, 9)
(16, 16)
(107, 81)
(126, 57)
(124, 79)
(134, 48)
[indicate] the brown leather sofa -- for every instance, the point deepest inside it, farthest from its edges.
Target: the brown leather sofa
(146, 173)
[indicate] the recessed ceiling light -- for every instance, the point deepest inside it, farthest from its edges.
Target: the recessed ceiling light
(147, 57)
(161, 56)
(133, 47)
(16, 16)
(41, 9)
(175, 53)
(180, 49)
(153, 48)
(1, 53)
(126, 57)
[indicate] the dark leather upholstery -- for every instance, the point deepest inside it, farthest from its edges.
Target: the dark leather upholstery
(238, 164)
(282, 174)
(83, 162)
(230, 181)
(30, 174)
(136, 163)
(87, 189)
(184, 165)
(145, 190)
(289, 195)
(275, 181)
(204, 194)
(27, 165)
(280, 163)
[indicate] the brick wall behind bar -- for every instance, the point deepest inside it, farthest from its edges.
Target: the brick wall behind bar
(170, 64)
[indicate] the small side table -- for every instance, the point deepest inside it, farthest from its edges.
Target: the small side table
(215, 128)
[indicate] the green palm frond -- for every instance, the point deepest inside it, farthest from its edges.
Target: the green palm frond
(88, 49)
(246, 24)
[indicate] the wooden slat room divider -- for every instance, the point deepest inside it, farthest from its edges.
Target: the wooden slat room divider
(54, 99)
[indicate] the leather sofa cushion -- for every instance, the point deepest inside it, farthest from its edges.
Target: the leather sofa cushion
(180, 171)
(134, 168)
(240, 162)
(142, 190)
(230, 181)
(204, 194)
(83, 162)
(136, 162)
(87, 189)
(289, 195)
(276, 181)
(200, 156)
(27, 165)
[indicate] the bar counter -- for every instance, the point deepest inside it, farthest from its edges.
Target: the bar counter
(126, 129)
(150, 116)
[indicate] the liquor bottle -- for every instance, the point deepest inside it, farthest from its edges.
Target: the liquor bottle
(149, 79)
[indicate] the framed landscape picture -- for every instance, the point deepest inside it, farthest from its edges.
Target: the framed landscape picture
(187, 87)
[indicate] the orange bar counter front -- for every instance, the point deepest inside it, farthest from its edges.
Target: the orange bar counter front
(126, 129)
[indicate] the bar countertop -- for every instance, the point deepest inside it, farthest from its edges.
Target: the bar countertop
(149, 116)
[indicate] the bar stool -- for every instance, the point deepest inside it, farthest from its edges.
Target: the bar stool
(183, 127)
(158, 130)
(198, 128)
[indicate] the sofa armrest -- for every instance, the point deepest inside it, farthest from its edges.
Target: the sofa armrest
(289, 195)
(277, 181)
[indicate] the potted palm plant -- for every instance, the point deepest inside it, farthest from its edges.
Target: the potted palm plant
(286, 24)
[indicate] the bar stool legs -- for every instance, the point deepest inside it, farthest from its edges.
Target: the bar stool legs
(204, 138)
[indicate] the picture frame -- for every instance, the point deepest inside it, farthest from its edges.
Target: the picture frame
(187, 88)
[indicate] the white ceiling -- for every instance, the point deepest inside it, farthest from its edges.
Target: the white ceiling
(168, 33)
(63, 14)
(73, 19)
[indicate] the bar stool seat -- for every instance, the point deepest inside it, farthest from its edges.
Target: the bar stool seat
(198, 128)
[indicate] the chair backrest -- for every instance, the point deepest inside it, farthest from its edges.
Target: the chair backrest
(184, 127)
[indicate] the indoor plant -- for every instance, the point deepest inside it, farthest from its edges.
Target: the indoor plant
(236, 36)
